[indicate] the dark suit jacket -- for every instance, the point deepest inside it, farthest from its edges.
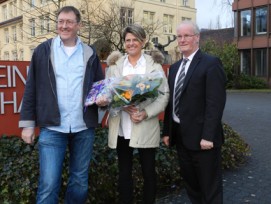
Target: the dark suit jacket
(202, 103)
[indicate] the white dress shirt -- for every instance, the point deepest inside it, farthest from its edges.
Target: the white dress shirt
(125, 121)
(190, 58)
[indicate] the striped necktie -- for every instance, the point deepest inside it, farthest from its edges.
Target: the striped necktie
(178, 87)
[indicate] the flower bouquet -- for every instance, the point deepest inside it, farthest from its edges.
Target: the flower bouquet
(126, 90)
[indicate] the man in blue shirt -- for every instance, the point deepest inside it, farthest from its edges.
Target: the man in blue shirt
(61, 73)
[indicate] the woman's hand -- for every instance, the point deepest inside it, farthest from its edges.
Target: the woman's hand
(131, 109)
(135, 115)
(139, 116)
(102, 101)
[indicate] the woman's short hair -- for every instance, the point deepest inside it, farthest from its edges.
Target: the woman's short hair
(136, 30)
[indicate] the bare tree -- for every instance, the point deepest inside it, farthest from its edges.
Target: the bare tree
(42, 18)
(103, 22)
(110, 22)
(225, 6)
(218, 23)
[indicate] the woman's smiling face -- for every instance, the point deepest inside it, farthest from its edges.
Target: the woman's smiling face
(133, 45)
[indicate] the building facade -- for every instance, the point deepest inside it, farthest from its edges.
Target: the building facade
(252, 35)
(25, 24)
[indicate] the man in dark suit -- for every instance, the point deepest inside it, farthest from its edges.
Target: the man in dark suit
(193, 117)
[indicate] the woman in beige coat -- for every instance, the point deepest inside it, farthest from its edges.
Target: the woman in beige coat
(136, 126)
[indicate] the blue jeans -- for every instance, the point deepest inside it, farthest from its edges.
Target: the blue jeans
(52, 150)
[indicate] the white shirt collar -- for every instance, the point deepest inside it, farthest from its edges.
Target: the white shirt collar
(140, 62)
(190, 57)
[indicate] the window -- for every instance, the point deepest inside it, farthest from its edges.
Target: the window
(148, 17)
(21, 32)
(163, 1)
(126, 16)
(14, 55)
(245, 62)
(44, 24)
(20, 6)
(14, 33)
(6, 55)
(32, 27)
(261, 20)
(21, 57)
(168, 23)
(130, 17)
(185, 2)
(6, 35)
(260, 62)
(5, 12)
(32, 51)
(245, 23)
(186, 19)
(43, 2)
(32, 3)
(11, 9)
(15, 7)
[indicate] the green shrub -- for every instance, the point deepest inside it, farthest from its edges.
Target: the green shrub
(19, 169)
(228, 53)
(234, 151)
(244, 81)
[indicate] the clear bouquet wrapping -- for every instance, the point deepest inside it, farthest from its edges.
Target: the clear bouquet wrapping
(126, 90)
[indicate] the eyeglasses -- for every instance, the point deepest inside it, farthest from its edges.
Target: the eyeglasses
(185, 37)
(68, 22)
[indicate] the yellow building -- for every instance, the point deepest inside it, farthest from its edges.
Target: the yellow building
(25, 24)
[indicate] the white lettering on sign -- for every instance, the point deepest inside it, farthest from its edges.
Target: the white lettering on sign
(3, 102)
(10, 76)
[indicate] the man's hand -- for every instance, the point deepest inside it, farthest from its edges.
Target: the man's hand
(28, 135)
(205, 144)
(166, 140)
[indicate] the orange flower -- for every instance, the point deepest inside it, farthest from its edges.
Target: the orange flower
(128, 94)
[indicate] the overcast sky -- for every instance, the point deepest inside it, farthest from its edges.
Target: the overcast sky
(208, 13)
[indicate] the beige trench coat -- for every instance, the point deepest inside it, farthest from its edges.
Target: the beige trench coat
(145, 134)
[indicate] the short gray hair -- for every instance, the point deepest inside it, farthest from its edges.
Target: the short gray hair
(136, 30)
(192, 24)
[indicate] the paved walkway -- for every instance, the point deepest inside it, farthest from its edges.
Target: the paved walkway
(249, 114)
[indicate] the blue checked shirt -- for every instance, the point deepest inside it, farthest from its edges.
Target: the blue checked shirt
(69, 72)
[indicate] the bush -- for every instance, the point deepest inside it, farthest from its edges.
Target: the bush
(19, 169)
(234, 151)
(228, 53)
(244, 81)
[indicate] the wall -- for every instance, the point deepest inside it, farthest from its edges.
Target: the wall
(13, 76)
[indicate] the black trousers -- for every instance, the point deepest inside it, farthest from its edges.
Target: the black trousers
(125, 164)
(201, 171)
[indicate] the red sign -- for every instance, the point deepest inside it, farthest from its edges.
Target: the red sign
(12, 82)
(13, 76)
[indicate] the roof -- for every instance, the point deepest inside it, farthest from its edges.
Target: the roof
(220, 36)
